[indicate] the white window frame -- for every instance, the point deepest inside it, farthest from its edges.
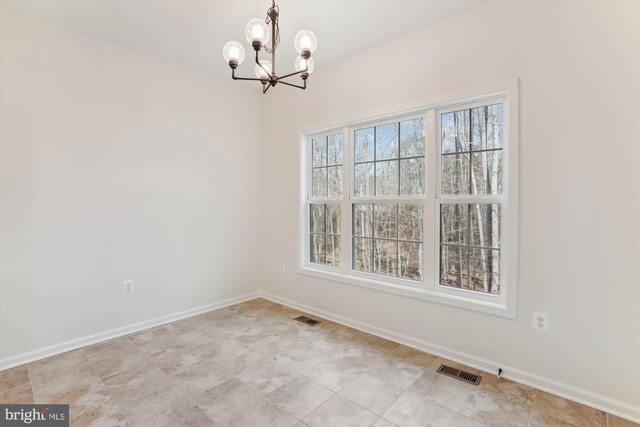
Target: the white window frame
(429, 287)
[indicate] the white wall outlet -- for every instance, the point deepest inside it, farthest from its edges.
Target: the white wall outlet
(128, 286)
(283, 267)
(540, 321)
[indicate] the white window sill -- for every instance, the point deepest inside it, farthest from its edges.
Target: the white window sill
(465, 300)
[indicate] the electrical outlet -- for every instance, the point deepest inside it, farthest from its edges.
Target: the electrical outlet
(283, 267)
(540, 321)
(128, 286)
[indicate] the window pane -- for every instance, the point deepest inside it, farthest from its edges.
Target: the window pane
(487, 172)
(412, 138)
(479, 127)
(412, 177)
(335, 181)
(485, 225)
(334, 218)
(455, 131)
(485, 270)
(448, 133)
(319, 153)
(387, 142)
(455, 174)
(363, 220)
(362, 254)
(410, 222)
(317, 218)
(461, 122)
(319, 182)
(386, 221)
(363, 179)
(387, 178)
(487, 127)
(454, 268)
(325, 233)
(317, 248)
(410, 262)
(454, 224)
(333, 250)
(364, 145)
(495, 120)
(386, 257)
(335, 144)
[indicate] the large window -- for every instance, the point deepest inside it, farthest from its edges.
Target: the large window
(417, 204)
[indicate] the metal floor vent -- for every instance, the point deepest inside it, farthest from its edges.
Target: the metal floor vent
(467, 377)
(307, 320)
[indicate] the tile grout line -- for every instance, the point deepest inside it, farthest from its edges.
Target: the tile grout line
(33, 393)
(231, 375)
(300, 375)
(533, 403)
(148, 359)
(171, 379)
(402, 394)
(337, 393)
(334, 394)
(296, 418)
(106, 388)
(503, 399)
(357, 342)
(180, 390)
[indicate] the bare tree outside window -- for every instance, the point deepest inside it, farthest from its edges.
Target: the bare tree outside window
(327, 157)
(389, 160)
(471, 165)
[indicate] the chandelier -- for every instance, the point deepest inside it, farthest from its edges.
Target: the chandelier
(258, 34)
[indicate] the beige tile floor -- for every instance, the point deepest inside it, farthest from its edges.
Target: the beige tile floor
(252, 365)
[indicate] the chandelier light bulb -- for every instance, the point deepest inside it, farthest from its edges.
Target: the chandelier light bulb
(257, 31)
(305, 41)
(260, 73)
(301, 63)
(233, 52)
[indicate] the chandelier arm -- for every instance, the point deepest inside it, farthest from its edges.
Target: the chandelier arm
(260, 65)
(291, 84)
(234, 77)
(265, 88)
(293, 74)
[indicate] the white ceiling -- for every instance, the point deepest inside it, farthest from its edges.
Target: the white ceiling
(192, 32)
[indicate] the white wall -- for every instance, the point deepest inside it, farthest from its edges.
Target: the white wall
(578, 65)
(115, 165)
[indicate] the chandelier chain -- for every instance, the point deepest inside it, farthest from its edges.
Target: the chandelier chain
(272, 15)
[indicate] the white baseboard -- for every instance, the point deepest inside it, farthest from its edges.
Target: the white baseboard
(585, 397)
(42, 353)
